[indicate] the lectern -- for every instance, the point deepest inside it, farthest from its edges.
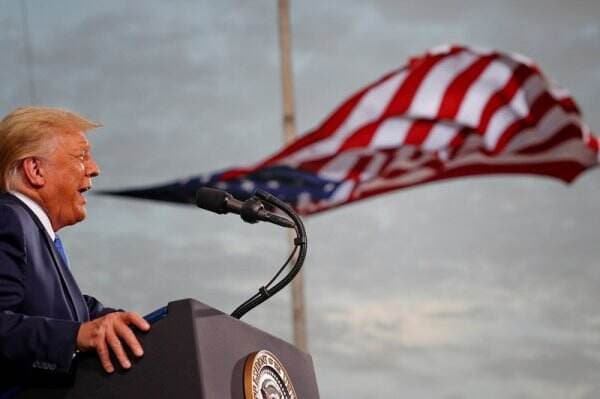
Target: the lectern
(195, 352)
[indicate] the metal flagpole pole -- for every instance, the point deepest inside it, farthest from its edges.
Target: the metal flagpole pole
(28, 48)
(289, 133)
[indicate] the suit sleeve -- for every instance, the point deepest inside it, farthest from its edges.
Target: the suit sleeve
(96, 309)
(27, 340)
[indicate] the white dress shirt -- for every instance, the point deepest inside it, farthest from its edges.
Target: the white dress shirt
(38, 211)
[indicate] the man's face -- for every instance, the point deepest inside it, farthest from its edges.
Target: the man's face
(68, 174)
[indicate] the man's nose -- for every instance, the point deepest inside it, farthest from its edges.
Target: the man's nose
(92, 169)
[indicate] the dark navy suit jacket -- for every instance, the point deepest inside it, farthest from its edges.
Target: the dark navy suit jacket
(41, 306)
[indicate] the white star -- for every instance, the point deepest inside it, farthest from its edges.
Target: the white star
(304, 200)
(247, 186)
(203, 179)
(273, 184)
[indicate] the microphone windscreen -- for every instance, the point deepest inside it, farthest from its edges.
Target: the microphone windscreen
(212, 199)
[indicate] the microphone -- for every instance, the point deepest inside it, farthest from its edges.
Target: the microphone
(252, 210)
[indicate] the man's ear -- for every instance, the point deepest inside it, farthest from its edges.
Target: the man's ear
(33, 172)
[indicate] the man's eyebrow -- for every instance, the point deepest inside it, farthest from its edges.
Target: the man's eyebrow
(81, 150)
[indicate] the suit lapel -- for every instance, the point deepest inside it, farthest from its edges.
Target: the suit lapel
(71, 289)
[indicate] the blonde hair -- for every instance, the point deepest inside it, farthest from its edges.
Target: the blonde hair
(29, 131)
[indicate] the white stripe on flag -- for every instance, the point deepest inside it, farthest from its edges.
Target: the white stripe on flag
(341, 194)
(369, 108)
(558, 92)
(518, 108)
(502, 118)
(338, 167)
(391, 133)
(429, 95)
(373, 168)
(570, 150)
(440, 136)
(441, 49)
(531, 89)
(552, 121)
(495, 76)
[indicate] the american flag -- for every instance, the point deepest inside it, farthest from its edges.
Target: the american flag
(453, 111)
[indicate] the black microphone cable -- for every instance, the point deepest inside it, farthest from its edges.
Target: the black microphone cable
(300, 246)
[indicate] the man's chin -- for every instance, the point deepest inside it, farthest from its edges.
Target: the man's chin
(79, 217)
(82, 215)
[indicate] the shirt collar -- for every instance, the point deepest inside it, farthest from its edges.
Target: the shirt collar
(38, 211)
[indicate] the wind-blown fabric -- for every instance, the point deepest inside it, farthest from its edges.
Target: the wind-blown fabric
(454, 111)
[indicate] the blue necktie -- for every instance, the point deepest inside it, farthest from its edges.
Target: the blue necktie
(61, 250)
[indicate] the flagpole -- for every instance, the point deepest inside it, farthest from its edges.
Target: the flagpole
(289, 134)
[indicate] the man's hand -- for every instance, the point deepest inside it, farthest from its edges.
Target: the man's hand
(107, 333)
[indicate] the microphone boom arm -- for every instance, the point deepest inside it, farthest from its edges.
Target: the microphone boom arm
(300, 243)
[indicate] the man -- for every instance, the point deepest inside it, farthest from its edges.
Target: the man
(46, 166)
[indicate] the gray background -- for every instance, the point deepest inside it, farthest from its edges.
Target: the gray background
(480, 287)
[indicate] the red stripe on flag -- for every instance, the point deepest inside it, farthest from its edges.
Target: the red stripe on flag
(405, 94)
(568, 132)
(315, 165)
(569, 105)
(361, 138)
(234, 173)
(330, 125)
(358, 168)
(539, 108)
(504, 95)
(418, 132)
(594, 143)
(456, 91)
(459, 138)
(564, 170)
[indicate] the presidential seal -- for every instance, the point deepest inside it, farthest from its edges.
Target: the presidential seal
(266, 378)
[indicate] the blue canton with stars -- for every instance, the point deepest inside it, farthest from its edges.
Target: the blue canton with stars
(287, 183)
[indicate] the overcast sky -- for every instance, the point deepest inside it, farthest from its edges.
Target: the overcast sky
(480, 287)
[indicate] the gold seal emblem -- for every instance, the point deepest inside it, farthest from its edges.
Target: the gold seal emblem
(266, 378)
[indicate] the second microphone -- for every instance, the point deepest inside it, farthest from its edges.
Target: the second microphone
(252, 210)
